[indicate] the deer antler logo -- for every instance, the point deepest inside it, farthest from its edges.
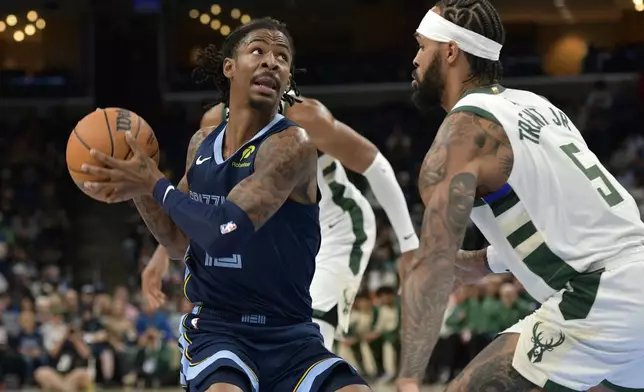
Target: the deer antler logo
(539, 347)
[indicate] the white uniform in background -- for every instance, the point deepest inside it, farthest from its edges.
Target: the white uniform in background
(574, 238)
(348, 227)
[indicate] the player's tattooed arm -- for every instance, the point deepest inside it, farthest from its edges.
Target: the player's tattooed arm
(157, 220)
(448, 183)
(333, 137)
(285, 166)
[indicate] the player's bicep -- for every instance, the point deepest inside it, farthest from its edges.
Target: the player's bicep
(354, 151)
(283, 161)
(461, 146)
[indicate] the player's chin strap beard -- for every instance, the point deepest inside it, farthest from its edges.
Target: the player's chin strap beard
(439, 29)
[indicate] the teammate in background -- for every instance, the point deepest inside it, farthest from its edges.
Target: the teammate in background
(552, 213)
(346, 217)
(251, 227)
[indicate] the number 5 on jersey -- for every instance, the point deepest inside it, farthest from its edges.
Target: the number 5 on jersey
(593, 172)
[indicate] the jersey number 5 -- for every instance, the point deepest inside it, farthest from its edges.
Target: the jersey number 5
(593, 172)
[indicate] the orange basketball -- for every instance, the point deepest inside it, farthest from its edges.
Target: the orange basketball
(104, 130)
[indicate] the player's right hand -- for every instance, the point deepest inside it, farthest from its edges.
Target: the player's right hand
(152, 279)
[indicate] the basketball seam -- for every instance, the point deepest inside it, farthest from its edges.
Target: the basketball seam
(81, 140)
(109, 130)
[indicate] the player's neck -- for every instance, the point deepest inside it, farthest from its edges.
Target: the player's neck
(453, 95)
(243, 125)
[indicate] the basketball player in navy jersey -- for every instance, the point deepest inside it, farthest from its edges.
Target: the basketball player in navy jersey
(251, 229)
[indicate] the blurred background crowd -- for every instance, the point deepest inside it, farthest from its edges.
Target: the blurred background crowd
(71, 315)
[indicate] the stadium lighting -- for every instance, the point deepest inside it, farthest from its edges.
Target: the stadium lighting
(245, 19)
(40, 23)
(235, 13)
(224, 30)
(18, 36)
(639, 7)
(30, 29)
(204, 19)
(3, 26)
(12, 20)
(215, 24)
(215, 9)
(32, 16)
(194, 14)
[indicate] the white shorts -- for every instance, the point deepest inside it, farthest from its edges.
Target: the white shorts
(342, 261)
(589, 333)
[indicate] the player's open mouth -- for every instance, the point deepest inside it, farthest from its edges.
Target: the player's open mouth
(266, 84)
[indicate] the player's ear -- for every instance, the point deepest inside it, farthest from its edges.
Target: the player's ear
(229, 67)
(453, 51)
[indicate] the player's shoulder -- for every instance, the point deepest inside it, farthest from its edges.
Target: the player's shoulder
(291, 144)
(308, 109)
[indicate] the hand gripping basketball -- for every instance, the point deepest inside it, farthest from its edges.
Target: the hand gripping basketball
(125, 179)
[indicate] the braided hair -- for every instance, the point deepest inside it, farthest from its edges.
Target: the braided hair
(210, 61)
(481, 17)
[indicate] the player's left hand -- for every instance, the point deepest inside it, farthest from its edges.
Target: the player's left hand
(125, 179)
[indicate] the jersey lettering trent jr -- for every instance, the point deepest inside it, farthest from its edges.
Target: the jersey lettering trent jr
(270, 277)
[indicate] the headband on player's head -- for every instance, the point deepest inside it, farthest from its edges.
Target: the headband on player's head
(439, 29)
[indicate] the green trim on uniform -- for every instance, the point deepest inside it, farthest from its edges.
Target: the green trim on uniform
(476, 110)
(521, 234)
(553, 270)
(617, 388)
(554, 387)
(357, 219)
(504, 203)
(479, 202)
(490, 90)
(223, 113)
(329, 169)
(319, 314)
(576, 304)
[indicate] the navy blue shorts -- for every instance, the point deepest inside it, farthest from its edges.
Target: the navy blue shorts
(254, 356)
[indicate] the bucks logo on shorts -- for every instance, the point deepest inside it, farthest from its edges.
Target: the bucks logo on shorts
(540, 346)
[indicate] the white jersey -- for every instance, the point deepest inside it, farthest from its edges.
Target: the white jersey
(338, 195)
(561, 212)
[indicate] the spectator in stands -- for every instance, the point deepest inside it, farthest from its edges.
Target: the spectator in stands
(156, 319)
(30, 343)
(68, 367)
(511, 309)
(95, 336)
(153, 359)
(121, 334)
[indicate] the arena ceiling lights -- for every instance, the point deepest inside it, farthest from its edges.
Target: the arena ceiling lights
(213, 17)
(13, 24)
(639, 5)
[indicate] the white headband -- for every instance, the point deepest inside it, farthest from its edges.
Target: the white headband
(437, 28)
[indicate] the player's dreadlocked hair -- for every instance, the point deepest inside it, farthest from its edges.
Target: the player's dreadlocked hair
(210, 61)
(481, 17)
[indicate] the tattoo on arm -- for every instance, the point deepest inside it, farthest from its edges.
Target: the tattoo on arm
(284, 163)
(158, 221)
(448, 183)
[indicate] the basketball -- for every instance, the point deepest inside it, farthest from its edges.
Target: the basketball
(104, 130)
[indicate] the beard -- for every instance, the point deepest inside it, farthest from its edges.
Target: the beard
(428, 94)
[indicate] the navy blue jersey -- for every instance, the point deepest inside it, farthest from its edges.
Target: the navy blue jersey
(271, 276)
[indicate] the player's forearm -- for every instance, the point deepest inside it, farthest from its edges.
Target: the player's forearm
(162, 227)
(219, 229)
(424, 299)
(385, 187)
(431, 279)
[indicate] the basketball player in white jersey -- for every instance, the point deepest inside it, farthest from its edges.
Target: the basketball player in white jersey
(551, 212)
(347, 220)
